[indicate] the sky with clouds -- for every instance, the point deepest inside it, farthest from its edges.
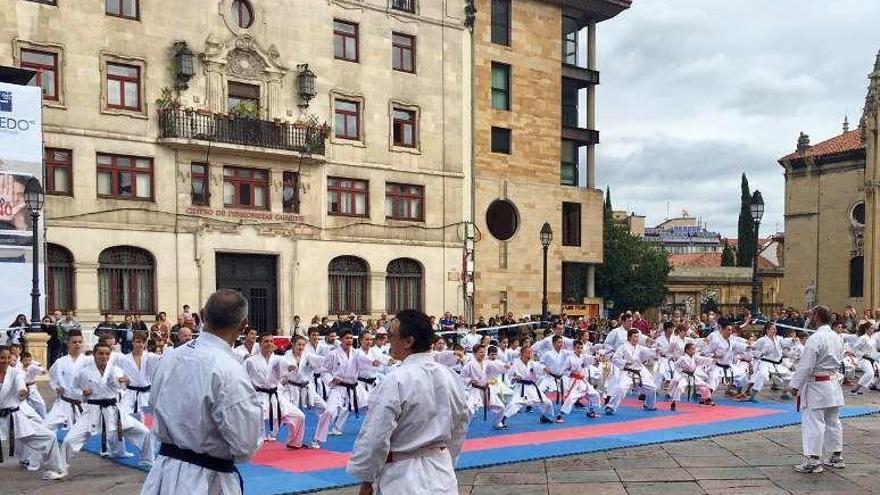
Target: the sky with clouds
(695, 92)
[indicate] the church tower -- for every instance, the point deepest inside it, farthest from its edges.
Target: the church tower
(870, 127)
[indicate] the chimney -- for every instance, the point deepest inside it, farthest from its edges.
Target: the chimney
(803, 143)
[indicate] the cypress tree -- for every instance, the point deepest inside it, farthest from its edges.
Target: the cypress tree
(745, 248)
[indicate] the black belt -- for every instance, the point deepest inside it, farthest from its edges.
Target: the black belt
(302, 387)
(485, 393)
(367, 382)
(137, 396)
(202, 460)
(272, 392)
(4, 413)
(636, 376)
(351, 390)
(103, 404)
(725, 373)
(560, 386)
(522, 390)
(321, 390)
(75, 406)
(771, 361)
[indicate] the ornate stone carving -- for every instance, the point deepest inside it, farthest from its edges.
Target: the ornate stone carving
(246, 64)
(858, 241)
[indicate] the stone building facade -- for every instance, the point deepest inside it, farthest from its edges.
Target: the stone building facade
(534, 152)
(831, 214)
(188, 148)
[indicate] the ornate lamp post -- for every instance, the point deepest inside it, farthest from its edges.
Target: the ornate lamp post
(34, 199)
(756, 208)
(546, 238)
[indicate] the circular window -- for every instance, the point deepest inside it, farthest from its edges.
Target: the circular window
(243, 13)
(502, 219)
(858, 214)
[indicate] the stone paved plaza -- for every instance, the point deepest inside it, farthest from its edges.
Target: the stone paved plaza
(757, 463)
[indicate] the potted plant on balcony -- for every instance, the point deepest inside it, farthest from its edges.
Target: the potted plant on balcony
(167, 105)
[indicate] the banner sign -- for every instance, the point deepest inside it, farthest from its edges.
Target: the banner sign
(21, 157)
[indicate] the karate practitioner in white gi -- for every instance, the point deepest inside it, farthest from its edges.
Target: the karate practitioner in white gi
(864, 349)
(264, 370)
(32, 370)
(100, 382)
(578, 366)
(414, 430)
(619, 336)
(139, 367)
(669, 347)
(819, 395)
(249, 346)
(546, 344)
(297, 370)
(768, 363)
(344, 365)
(67, 407)
(724, 347)
(370, 377)
(690, 373)
(476, 374)
(631, 372)
(525, 374)
(207, 413)
(19, 430)
(555, 361)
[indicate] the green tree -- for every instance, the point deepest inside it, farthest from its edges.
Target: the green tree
(728, 257)
(608, 212)
(634, 273)
(745, 249)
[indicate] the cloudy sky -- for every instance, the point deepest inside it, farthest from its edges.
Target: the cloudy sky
(695, 92)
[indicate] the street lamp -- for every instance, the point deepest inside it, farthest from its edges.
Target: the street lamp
(546, 238)
(756, 208)
(33, 199)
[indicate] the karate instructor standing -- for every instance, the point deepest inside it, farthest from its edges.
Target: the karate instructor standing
(207, 413)
(418, 416)
(816, 384)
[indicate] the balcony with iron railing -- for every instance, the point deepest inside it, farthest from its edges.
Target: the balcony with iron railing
(191, 128)
(404, 5)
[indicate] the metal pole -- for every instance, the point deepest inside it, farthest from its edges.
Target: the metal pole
(756, 283)
(35, 288)
(544, 299)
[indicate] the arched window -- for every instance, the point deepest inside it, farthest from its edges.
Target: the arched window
(348, 285)
(242, 13)
(127, 281)
(856, 276)
(59, 278)
(403, 285)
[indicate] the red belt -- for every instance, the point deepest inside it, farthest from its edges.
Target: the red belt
(823, 378)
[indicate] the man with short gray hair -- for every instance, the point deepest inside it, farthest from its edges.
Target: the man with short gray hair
(207, 413)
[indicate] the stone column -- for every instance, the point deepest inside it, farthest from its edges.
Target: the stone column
(591, 280)
(215, 90)
(273, 99)
(377, 293)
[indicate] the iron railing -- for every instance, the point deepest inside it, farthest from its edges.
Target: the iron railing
(404, 5)
(187, 124)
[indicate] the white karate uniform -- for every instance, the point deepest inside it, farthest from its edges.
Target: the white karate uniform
(103, 420)
(245, 353)
(265, 375)
(669, 350)
(298, 374)
(630, 357)
(135, 402)
(203, 401)
(819, 394)
(865, 348)
(689, 370)
(420, 417)
(768, 362)
(546, 345)
(615, 339)
(32, 438)
(370, 377)
(724, 352)
(345, 368)
(526, 391)
(555, 380)
(579, 387)
(35, 398)
(62, 375)
(470, 340)
(480, 373)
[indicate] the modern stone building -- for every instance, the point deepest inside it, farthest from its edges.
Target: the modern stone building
(831, 214)
(311, 153)
(535, 134)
